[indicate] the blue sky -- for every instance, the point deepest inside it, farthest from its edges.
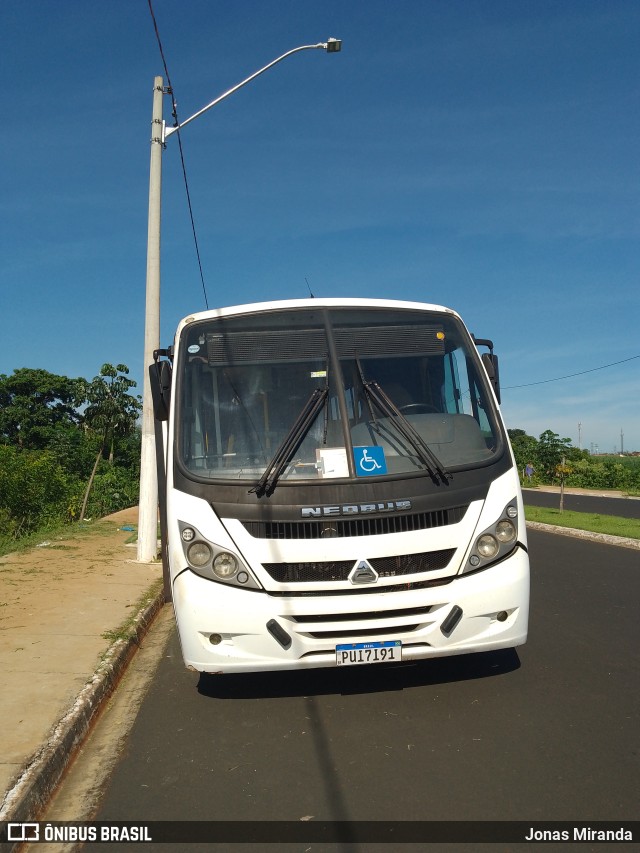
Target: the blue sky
(473, 153)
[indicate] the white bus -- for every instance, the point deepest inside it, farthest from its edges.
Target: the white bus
(340, 488)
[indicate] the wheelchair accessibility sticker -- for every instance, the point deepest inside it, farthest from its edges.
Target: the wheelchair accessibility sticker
(369, 461)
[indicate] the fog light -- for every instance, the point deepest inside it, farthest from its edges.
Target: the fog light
(199, 554)
(215, 639)
(487, 546)
(505, 531)
(225, 566)
(502, 616)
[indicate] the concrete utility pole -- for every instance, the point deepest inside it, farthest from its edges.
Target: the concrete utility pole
(148, 506)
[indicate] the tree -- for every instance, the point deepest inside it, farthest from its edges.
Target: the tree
(551, 449)
(75, 449)
(111, 412)
(525, 448)
(34, 404)
(562, 472)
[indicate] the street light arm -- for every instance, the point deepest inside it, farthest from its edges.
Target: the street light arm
(331, 46)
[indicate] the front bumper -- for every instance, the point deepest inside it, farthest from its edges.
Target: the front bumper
(304, 631)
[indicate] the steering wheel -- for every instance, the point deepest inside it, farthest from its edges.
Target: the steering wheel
(417, 408)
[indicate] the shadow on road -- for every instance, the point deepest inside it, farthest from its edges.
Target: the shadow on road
(376, 678)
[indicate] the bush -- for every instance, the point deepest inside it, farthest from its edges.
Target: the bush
(35, 490)
(114, 488)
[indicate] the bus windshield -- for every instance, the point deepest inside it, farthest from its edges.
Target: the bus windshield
(246, 381)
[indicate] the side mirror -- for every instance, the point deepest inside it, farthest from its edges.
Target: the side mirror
(160, 378)
(490, 362)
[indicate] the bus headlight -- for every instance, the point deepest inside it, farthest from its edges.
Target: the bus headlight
(225, 566)
(211, 561)
(505, 531)
(495, 543)
(199, 554)
(487, 546)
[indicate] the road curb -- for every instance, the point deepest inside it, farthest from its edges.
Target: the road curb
(34, 785)
(602, 538)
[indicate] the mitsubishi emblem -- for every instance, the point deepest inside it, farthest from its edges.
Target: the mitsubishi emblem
(362, 572)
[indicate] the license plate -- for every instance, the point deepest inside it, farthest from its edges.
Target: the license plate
(351, 654)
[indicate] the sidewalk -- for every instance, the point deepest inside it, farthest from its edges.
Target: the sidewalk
(592, 493)
(72, 612)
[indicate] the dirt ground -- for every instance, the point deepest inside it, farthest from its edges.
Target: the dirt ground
(58, 567)
(62, 605)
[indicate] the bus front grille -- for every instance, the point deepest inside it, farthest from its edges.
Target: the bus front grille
(308, 619)
(360, 632)
(339, 570)
(358, 526)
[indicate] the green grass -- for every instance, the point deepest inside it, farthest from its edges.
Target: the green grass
(128, 628)
(55, 533)
(608, 524)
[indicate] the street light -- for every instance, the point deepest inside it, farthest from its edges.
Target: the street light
(148, 505)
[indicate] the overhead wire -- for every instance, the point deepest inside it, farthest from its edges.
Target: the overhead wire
(174, 113)
(570, 375)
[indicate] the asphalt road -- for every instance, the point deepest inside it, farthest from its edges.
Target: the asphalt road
(548, 733)
(622, 507)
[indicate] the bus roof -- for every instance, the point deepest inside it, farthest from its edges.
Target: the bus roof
(324, 302)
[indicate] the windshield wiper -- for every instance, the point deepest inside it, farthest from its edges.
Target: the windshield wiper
(422, 450)
(292, 441)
